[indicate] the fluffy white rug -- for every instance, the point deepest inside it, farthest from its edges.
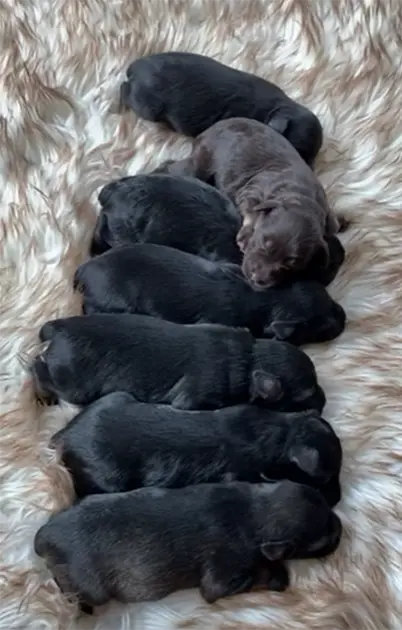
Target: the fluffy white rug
(62, 138)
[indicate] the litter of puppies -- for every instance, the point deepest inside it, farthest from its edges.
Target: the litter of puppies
(199, 456)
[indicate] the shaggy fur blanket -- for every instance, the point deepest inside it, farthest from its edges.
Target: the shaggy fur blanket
(62, 138)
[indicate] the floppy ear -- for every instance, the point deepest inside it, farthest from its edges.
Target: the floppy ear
(265, 386)
(277, 550)
(323, 255)
(307, 459)
(279, 123)
(282, 330)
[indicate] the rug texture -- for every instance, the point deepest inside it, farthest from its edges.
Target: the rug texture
(62, 138)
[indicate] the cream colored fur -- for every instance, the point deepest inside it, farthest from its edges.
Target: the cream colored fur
(62, 138)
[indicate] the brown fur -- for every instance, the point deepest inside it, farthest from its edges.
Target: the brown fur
(286, 216)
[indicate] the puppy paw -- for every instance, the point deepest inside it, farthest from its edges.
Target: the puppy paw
(273, 577)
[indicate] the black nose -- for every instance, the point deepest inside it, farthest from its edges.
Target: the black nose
(339, 314)
(331, 490)
(319, 399)
(336, 530)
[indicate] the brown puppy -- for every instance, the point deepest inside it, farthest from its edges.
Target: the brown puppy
(285, 212)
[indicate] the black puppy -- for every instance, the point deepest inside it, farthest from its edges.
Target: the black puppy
(225, 538)
(117, 444)
(190, 93)
(176, 286)
(190, 367)
(180, 212)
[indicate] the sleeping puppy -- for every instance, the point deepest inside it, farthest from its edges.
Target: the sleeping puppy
(117, 444)
(189, 93)
(189, 367)
(286, 215)
(223, 538)
(179, 287)
(180, 212)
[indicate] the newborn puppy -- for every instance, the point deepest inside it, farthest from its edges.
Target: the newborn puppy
(179, 287)
(189, 367)
(117, 444)
(190, 93)
(223, 538)
(286, 216)
(181, 212)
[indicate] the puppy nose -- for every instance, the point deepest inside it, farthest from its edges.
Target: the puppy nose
(336, 530)
(339, 313)
(319, 399)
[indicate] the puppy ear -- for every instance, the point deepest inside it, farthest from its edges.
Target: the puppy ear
(279, 123)
(277, 550)
(265, 386)
(282, 330)
(307, 459)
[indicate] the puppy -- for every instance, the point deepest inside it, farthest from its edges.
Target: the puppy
(117, 444)
(190, 93)
(145, 544)
(179, 287)
(190, 367)
(181, 212)
(286, 216)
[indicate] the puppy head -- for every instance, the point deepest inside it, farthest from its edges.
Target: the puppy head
(304, 313)
(301, 127)
(313, 449)
(296, 387)
(295, 522)
(280, 246)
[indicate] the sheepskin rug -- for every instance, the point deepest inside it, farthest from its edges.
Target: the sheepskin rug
(62, 138)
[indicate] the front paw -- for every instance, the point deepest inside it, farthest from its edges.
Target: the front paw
(273, 576)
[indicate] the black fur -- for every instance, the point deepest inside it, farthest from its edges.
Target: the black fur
(224, 538)
(180, 212)
(190, 367)
(325, 264)
(190, 92)
(179, 287)
(117, 444)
